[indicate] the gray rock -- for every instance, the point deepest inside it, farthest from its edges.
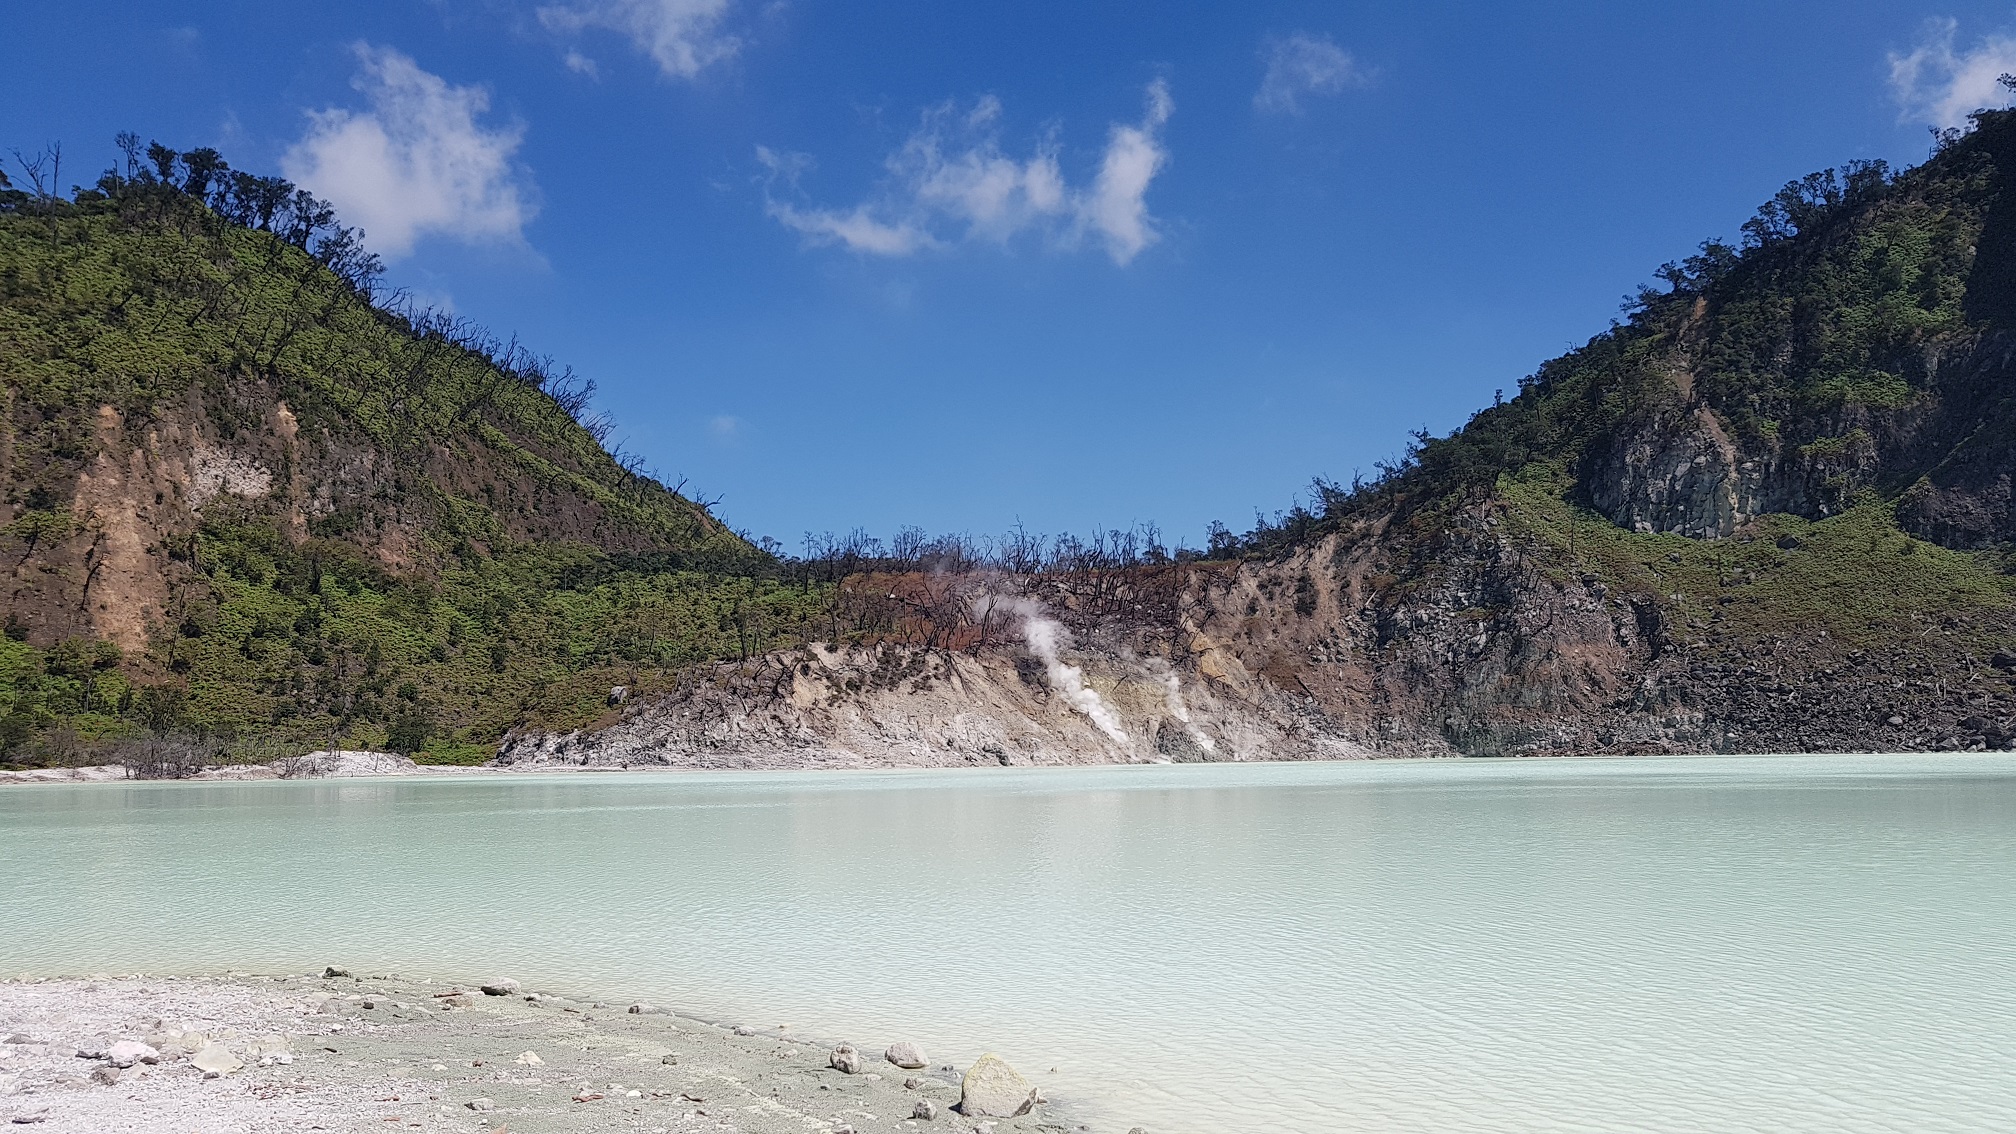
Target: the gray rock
(912, 1083)
(107, 1076)
(126, 1053)
(992, 1089)
(925, 1109)
(20, 1037)
(744, 1030)
(505, 987)
(270, 1050)
(483, 1105)
(646, 1010)
(906, 1055)
(845, 1059)
(333, 971)
(23, 1118)
(669, 1059)
(215, 1059)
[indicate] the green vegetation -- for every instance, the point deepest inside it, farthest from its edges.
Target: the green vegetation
(1849, 289)
(501, 569)
(1855, 577)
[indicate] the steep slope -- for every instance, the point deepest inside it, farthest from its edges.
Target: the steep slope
(238, 498)
(1769, 511)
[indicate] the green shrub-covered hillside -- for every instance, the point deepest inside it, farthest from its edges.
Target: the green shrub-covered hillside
(249, 503)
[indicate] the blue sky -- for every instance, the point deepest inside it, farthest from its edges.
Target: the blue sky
(1073, 264)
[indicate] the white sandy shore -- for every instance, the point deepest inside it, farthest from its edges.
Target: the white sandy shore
(383, 1053)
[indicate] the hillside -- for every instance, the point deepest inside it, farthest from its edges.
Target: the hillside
(251, 508)
(1769, 510)
(243, 504)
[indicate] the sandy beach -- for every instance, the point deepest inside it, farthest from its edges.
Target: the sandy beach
(246, 1054)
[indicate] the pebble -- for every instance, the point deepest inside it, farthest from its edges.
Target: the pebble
(530, 1059)
(906, 1055)
(106, 1076)
(483, 1105)
(912, 1083)
(925, 1109)
(845, 1060)
(214, 1060)
(645, 1010)
(505, 987)
(744, 1030)
(126, 1053)
(332, 972)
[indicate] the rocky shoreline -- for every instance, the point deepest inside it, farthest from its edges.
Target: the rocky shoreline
(244, 1054)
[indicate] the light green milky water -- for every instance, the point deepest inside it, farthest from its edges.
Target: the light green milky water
(1779, 944)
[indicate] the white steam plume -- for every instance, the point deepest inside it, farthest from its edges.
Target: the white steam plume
(1172, 699)
(1046, 636)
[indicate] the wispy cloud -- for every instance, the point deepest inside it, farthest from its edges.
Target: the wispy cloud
(682, 36)
(1303, 65)
(952, 182)
(416, 163)
(1940, 86)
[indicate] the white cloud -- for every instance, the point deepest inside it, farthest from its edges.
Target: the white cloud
(581, 65)
(1936, 85)
(416, 163)
(725, 427)
(1302, 65)
(682, 36)
(951, 182)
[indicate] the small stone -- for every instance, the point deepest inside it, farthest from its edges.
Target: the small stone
(333, 971)
(20, 1037)
(214, 1060)
(645, 1010)
(530, 1059)
(744, 1030)
(669, 1060)
(1137, 1130)
(843, 1128)
(912, 1083)
(906, 1055)
(1896, 720)
(925, 1109)
(272, 1051)
(483, 1105)
(371, 1004)
(505, 987)
(26, 1117)
(992, 1089)
(633, 1094)
(845, 1060)
(106, 1076)
(126, 1053)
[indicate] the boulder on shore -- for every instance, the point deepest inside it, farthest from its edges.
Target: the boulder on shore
(906, 1055)
(845, 1060)
(992, 1089)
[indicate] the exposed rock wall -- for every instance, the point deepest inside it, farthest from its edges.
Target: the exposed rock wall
(1479, 645)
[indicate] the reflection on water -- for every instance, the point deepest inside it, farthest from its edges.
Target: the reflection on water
(1753, 944)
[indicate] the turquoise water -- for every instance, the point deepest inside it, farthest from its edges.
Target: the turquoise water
(1729, 944)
